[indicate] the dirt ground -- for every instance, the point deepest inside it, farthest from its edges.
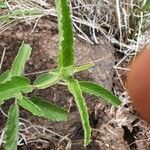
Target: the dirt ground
(40, 134)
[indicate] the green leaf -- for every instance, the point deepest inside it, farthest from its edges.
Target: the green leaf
(48, 79)
(12, 127)
(3, 5)
(74, 88)
(26, 12)
(98, 90)
(20, 60)
(66, 46)
(39, 107)
(5, 76)
(67, 71)
(18, 13)
(83, 67)
(145, 5)
(13, 87)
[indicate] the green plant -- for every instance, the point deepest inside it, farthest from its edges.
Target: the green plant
(18, 13)
(64, 73)
(2, 5)
(145, 5)
(14, 85)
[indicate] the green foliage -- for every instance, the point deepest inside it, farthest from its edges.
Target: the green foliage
(13, 85)
(66, 46)
(47, 79)
(5, 76)
(3, 5)
(17, 13)
(83, 67)
(145, 5)
(39, 107)
(66, 70)
(12, 127)
(98, 90)
(20, 60)
(74, 88)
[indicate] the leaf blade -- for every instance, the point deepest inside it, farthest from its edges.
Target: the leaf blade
(13, 87)
(5, 76)
(74, 88)
(145, 5)
(12, 127)
(48, 79)
(17, 13)
(82, 67)
(98, 90)
(66, 45)
(20, 60)
(39, 107)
